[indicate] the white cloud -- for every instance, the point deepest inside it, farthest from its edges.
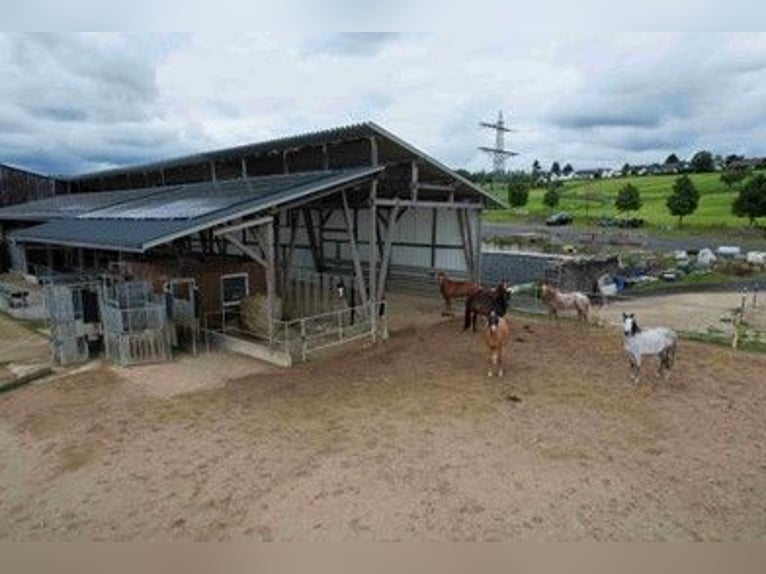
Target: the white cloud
(74, 103)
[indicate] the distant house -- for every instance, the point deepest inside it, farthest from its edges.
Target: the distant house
(674, 167)
(750, 163)
(588, 173)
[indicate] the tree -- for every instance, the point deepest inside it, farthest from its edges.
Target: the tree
(552, 197)
(568, 169)
(671, 159)
(733, 176)
(465, 174)
(518, 190)
(555, 168)
(751, 201)
(702, 162)
(684, 199)
(732, 158)
(535, 167)
(628, 198)
(626, 169)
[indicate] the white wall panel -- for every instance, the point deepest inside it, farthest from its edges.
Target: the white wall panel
(451, 259)
(447, 228)
(411, 256)
(414, 227)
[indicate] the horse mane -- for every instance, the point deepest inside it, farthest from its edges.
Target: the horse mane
(635, 329)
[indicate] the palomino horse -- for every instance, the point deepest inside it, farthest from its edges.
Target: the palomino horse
(660, 341)
(496, 335)
(451, 289)
(557, 301)
(483, 301)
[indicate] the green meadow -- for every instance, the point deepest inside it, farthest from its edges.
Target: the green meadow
(589, 199)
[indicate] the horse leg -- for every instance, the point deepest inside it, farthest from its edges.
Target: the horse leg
(467, 319)
(635, 368)
(667, 360)
(491, 362)
(582, 314)
(447, 307)
(500, 360)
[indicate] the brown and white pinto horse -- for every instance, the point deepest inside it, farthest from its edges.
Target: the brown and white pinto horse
(557, 301)
(496, 335)
(451, 289)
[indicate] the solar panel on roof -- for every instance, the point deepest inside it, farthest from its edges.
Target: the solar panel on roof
(199, 199)
(113, 229)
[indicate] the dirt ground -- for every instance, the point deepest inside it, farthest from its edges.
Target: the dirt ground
(697, 312)
(407, 440)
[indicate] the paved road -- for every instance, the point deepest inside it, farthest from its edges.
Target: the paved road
(652, 242)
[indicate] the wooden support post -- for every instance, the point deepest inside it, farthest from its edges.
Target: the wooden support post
(292, 218)
(325, 158)
(373, 237)
(464, 238)
(469, 235)
(434, 215)
(162, 177)
(244, 167)
(386, 258)
(373, 255)
(308, 220)
(266, 259)
(285, 167)
(477, 248)
(414, 182)
(270, 278)
(212, 173)
(355, 252)
(378, 220)
(246, 249)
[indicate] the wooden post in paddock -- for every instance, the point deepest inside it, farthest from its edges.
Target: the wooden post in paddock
(358, 275)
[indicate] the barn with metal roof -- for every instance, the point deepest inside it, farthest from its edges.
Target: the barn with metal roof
(355, 202)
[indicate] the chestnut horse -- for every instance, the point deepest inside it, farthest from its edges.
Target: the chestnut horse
(557, 301)
(451, 289)
(483, 301)
(496, 335)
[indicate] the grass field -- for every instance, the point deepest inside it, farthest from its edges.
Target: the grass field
(713, 212)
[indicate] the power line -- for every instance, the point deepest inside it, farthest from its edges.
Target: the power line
(499, 154)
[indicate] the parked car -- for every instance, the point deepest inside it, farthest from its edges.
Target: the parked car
(561, 218)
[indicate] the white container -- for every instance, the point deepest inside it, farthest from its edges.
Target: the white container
(729, 251)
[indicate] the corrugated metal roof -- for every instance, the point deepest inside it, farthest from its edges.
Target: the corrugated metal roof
(142, 223)
(197, 199)
(348, 132)
(351, 131)
(68, 206)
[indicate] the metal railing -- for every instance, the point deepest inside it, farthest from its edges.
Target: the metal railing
(303, 336)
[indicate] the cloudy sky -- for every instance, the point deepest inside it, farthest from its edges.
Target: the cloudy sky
(74, 103)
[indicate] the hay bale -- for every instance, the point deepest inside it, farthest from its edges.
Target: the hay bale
(254, 313)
